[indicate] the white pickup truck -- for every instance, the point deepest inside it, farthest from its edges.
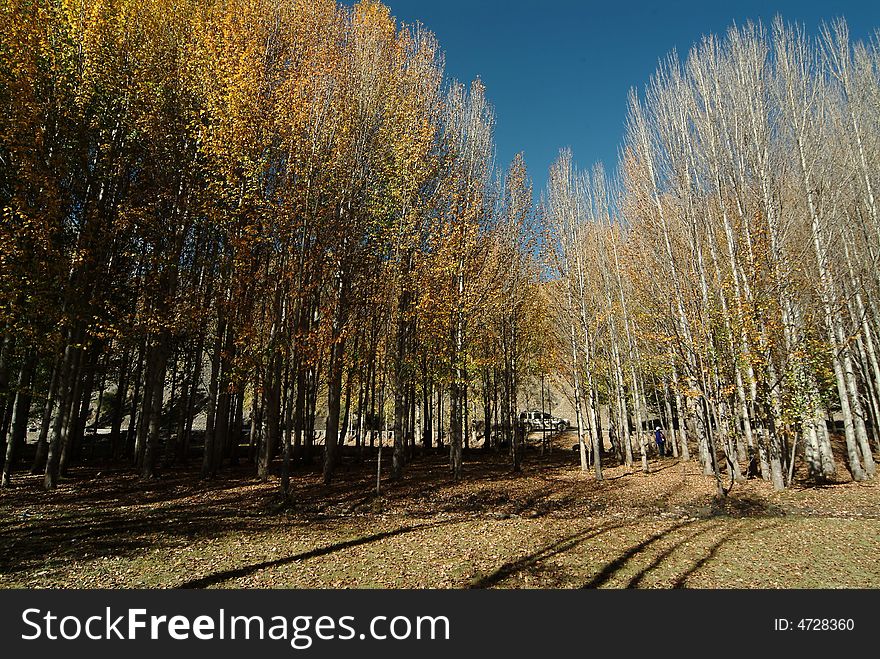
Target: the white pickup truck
(536, 421)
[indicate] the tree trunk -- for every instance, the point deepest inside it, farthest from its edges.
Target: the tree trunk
(334, 402)
(273, 417)
(208, 470)
(65, 388)
(18, 431)
(157, 365)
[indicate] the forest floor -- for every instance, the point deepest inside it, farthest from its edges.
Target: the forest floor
(548, 527)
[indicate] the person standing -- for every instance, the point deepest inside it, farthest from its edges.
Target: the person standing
(660, 438)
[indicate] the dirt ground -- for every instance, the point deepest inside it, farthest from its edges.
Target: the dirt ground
(549, 527)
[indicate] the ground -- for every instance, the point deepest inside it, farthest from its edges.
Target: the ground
(550, 526)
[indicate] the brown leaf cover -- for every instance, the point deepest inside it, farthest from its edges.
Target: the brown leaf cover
(547, 527)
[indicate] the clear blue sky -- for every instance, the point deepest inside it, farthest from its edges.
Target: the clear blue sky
(558, 71)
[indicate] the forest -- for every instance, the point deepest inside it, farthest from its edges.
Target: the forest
(268, 237)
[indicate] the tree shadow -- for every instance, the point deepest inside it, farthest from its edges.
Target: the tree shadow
(427, 487)
(747, 504)
(236, 573)
(610, 569)
(636, 470)
(40, 540)
(713, 551)
(111, 485)
(641, 574)
(554, 548)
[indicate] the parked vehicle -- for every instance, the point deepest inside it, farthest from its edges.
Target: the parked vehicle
(536, 421)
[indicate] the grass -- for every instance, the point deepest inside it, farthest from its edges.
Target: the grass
(549, 527)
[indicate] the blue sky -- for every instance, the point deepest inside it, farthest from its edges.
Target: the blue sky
(558, 71)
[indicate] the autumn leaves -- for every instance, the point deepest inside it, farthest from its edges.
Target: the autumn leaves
(274, 214)
(741, 238)
(280, 215)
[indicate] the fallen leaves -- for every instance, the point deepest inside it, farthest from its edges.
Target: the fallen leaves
(546, 528)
